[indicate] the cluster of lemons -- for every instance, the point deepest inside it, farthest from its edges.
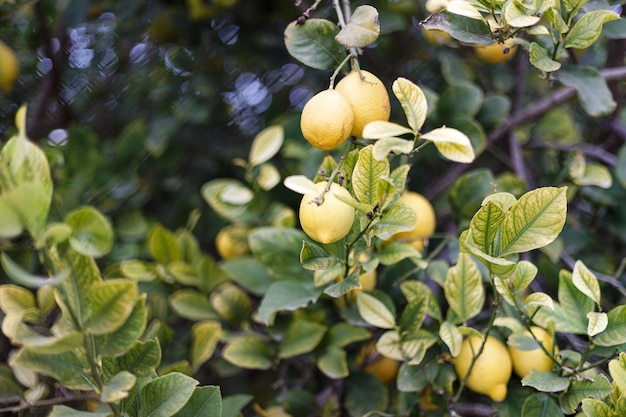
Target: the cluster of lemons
(492, 369)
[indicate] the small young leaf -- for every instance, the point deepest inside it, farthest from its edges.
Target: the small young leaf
(539, 299)
(366, 175)
(540, 57)
(92, 233)
(588, 28)
(597, 323)
(300, 184)
(385, 146)
(525, 273)
(451, 143)
(362, 29)
(518, 17)
(586, 281)
(413, 103)
(118, 387)
(615, 332)
(485, 225)
(231, 303)
(463, 288)
(451, 336)
(268, 177)
(64, 411)
(398, 217)
(313, 43)
(374, 311)
(266, 144)
(595, 174)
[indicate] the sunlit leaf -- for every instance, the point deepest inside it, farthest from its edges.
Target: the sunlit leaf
(362, 29)
(366, 175)
(587, 29)
(268, 177)
(374, 311)
(383, 147)
(597, 323)
(451, 143)
(463, 288)
(413, 102)
(266, 144)
(586, 281)
(379, 129)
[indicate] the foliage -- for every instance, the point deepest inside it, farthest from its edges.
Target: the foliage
(143, 140)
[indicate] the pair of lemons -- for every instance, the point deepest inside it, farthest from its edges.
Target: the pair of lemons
(332, 115)
(493, 367)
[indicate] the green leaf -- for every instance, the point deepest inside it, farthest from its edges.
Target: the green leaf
(92, 233)
(394, 252)
(599, 388)
(364, 394)
(594, 96)
(47, 344)
(286, 295)
(383, 147)
(204, 338)
(342, 334)
(413, 102)
(266, 144)
(165, 395)
(313, 43)
(10, 220)
(398, 217)
(574, 302)
(362, 29)
(141, 359)
(64, 411)
(110, 304)
(586, 281)
(67, 367)
(545, 381)
(596, 408)
(15, 299)
(163, 245)
(463, 288)
(278, 249)
(617, 369)
(540, 405)
(525, 273)
(314, 256)
(192, 305)
(117, 388)
(231, 303)
(597, 323)
(461, 28)
(540, 57)
(229, 198)
(519, 17)
(205, 401)
(485, 226)
(451, 143)
(380, 129)
(411, 347)
(249, 352)
(374, 311)
(587, 29)
(10, 391)
(452, 337)
(249, 273)
(232, 405)
(333, 363)
(366, 176)
(534, 221)
(119, 341)
(302, 337)
(413, 378)
(615, 332)
(460, 99)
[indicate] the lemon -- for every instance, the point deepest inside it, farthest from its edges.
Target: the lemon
(326, 120)
(436, 37)
(496, 53)
(384, 368)
(426, 220)
(368, 282)
(329, 221)
(525, 360)
(368, 98)
(232, 241)
(491, 370)
(9, 67)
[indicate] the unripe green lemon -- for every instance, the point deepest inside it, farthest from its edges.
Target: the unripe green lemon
(9, 67)
(368, 99)
(329, 221)
(492, 369)
(326, 120)
(525, 360)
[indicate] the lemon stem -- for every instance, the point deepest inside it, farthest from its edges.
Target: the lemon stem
(336, 73)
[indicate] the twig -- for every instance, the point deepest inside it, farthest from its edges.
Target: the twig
(474, 410)
(41, 403)
(594, 151)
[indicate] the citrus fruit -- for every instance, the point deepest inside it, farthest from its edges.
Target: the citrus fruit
(232, 241)
(491, 370)
(384, 368)
(368, 280)
(368, 98)
(426, 220)
(525, 360)
(330, 221)
(326, 120)
(436, 37)
(496, 53)
(9, 67)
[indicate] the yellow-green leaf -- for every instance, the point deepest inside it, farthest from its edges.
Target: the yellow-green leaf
(110, 304)
(587, 29)
(248, 352)
(413, 102)
(379, 129)
(451, 143)
(451, 336)
(266, 144)
(204, 338)
(586, 281)
(463, 288)
(374, 311)
(366, 176)
(597, 323)
(362, 29)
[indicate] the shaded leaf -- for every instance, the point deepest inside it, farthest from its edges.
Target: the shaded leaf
(594, 96)
(92, 233)
(313, 43)
(333, 363)
(248, 352)
(286, 295)
(165, 395)
(205, 401)
(302, 337)
(362, 29)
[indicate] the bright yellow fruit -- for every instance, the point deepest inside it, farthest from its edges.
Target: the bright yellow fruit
(525, 360)
(368, 98)
(496, 53)
(384, 368)
(368, 282)
(232, 241)
(491, 370)
(326, 120)
(9, 67)
(436, 37)
(329, 221)
(426, 220)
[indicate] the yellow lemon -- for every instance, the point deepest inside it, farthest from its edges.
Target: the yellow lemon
(436, 37)
(491, 370)
(330, 221)
(426, 220)
(368, 282)
(368, 98)
(384, 368)
(525, 360)
(326, 120)
(232, 241)
(496, 53)
(9, 67)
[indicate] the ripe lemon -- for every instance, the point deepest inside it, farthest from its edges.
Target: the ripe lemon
(329, 221)
(232, 241)
(368, 98)
(384, 368)
(491, 370)
(426, 220)
(368, 282)
(525, 360)
(496, 53)
(9, 67)
(436, 37)
(326, 120)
